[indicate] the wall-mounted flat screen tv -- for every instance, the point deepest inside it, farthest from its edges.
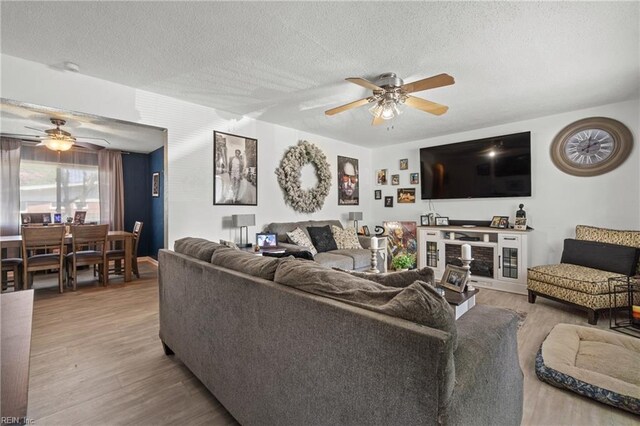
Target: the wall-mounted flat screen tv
(483, 168)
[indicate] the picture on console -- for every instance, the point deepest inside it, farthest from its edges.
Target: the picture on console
(455, 278)
(235, 179)
(348, 188)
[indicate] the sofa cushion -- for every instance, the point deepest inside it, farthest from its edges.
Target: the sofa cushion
(196, 247)
(322, 238)
(346, 238)
(360, 258)
(398, 279)
(574, 277)
(332, 260)
(611, 236)
(417, 302)
(249, 263)
(299, 237)
(604, 256)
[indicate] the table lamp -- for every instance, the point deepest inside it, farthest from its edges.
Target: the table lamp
(355, 217)
(244, 221)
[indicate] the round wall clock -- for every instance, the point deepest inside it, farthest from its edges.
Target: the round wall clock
(591, 146)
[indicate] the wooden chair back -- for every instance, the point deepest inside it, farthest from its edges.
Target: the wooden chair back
(48, 238)
(89, 236)
(137, 230)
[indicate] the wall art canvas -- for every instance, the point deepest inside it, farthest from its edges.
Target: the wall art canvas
(406, 195)
(401, 239)
(235, 179)
(348, 188)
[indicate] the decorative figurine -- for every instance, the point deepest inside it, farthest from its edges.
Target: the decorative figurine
(521, 213)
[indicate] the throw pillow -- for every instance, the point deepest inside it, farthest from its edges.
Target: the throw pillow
(322, 238)
(345, 238)
(418, 302)
(299, 238)
(303, 254)
(603, 256)
(249, 263)
(196, 247)
(396, 279)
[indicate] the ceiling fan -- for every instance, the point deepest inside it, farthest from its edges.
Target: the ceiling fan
(60, 140)
(390, 91)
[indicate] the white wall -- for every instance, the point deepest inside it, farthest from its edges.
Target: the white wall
(189, 175)
(559, 201)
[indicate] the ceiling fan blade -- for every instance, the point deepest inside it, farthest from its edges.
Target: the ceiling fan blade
(425, 105)
(33, 128)
(98, 139)
(348, 106)
(377, 121)
(363, 82)
(428, 83)
(19, 136)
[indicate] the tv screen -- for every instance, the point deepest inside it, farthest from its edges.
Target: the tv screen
(492, 167)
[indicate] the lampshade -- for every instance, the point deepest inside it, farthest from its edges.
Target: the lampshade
(56, 144)
(243, 219)
(355, 215)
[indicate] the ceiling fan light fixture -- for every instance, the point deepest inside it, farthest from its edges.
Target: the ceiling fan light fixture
(388, 111)
(56, 144)
(376, 109)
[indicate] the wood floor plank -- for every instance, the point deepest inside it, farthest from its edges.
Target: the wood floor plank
(97, 360)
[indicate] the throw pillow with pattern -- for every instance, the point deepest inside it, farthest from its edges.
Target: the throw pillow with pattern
(345, 238)
(298, 237)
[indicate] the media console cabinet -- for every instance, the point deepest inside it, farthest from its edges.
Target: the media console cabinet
(500, 255)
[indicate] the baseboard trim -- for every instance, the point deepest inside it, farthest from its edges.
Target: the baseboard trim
(148, 259)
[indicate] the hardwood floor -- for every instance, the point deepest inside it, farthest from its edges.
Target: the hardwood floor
(97, 360)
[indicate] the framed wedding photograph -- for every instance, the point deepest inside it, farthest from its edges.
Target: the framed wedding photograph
(388, 201)
(442, 221)
(235, 179)
(155, 185)
(455, 278)
(395, 179)
(404, 164)
(424, 220)
(377, 194)
(381, 177)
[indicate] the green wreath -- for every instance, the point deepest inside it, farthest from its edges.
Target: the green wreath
(296, 157)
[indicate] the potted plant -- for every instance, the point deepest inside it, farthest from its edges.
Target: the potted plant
(402, 262)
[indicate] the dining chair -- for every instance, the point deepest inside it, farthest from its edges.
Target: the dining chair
(13, 265)
(89, 247)
(49, 242)
(117, 256)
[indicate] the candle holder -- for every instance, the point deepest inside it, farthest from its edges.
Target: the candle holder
(374, 260)
(466, 264)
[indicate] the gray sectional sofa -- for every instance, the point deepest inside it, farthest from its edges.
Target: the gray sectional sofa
(354, 259)
(274, 354)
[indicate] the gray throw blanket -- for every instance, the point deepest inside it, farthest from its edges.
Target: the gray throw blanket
(417, 302)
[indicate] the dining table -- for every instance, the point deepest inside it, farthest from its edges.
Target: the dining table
(15, 241)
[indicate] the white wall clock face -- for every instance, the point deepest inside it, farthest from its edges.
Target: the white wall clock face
(591, 146)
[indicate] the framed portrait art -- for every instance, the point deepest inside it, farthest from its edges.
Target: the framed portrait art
(348, 189)
(388, 201)
(414, 178)
(404, 164)
(395, 179)
(377, 194)
(155, 185)
(235, 179)
(406, 195)
(381, 177)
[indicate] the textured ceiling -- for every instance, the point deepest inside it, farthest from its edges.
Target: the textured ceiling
(286, 62)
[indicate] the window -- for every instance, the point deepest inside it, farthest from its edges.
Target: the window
(63, 186)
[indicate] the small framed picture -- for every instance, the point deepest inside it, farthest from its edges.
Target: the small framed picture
(501, 222)
(388, 201)
(406, 195)
(414, 178)
(520, 224)
(381, 177)
(377, 194)
(455, 278)
(442, 221)
(424, 220)
(395, 179)
(155, 185)
(365, 231)
(404, 164)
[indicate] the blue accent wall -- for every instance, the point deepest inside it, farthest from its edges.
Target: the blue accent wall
(157, 205)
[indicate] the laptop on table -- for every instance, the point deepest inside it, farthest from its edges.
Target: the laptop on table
(268, 242)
